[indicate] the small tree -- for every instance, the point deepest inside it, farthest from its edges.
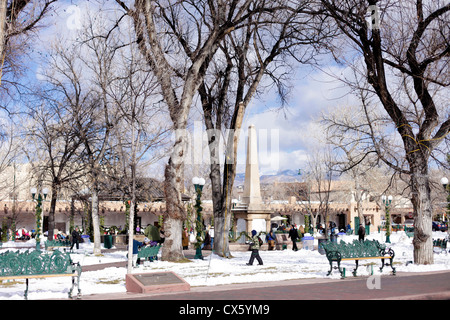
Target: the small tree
(52, 146)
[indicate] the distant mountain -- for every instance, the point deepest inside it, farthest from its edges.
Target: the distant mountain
(282, 176)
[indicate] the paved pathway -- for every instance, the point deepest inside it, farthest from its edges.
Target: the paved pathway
(403, 286)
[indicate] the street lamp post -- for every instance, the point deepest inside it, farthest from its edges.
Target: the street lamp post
(387, 201)
(38, 213)
(444, 182)
(198, 184)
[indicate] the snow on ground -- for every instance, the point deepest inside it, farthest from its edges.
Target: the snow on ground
(214, 270)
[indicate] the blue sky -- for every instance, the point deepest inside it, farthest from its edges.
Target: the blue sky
(285, 137)
(313, 92)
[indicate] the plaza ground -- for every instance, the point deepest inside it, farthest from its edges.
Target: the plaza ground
(104, 275)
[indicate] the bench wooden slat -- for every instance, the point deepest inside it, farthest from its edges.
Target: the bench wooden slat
(39, 276)
(363, 258)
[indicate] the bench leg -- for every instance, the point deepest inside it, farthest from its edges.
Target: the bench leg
(331, 268)
(26, 289)
(71, 288)
(392, 266)
(354, 270)
(382, 265)
(341, 271)
(78, 286)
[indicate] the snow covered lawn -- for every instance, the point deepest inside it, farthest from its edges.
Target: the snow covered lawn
(213, 270)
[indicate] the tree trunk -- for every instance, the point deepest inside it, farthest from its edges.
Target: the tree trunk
(130, 236)
(358, 199)
(3, 9)
(96, 223)
(51, 214)
(222, 217)
(220, 197)
(216, 188)
(172, 249)
(175, 213)
(221, 244)
(421, 199)
(314, 223)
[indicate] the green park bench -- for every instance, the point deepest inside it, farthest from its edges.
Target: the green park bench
(409, 231)
(357, 250)
(149, 252)
(439, 245)
(51, 244)
(36, 264)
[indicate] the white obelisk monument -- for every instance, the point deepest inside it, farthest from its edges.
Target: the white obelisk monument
(251, 209)
(252, 191)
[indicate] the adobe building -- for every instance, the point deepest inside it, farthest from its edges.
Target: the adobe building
(254, 211)
(17, 205)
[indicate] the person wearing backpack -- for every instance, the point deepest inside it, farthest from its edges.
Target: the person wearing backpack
(255, 245)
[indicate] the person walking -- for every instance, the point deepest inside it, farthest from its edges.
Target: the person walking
(75, 238)
(361, 232)
(293, 234)
(255, 250)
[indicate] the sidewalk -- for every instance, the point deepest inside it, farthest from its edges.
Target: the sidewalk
(403, 286)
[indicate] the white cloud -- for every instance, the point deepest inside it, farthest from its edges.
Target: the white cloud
(295, 127)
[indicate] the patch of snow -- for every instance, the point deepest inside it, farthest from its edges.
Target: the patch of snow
(215, 270)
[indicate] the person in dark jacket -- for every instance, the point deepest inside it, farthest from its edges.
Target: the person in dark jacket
(136, 246)
(75, 238)
(207, 242)
(270, 238)
(293, 234)
(361, 232)
(255, 250)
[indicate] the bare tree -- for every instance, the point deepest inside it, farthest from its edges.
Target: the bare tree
(316, 193)
(178, 40)
(350, 158)
(251, 60)
(404, 52)
(10, 149)
(141, 132)
(52, 147)
(18, 20)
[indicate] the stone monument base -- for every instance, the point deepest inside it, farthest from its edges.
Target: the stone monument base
(155, 282)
